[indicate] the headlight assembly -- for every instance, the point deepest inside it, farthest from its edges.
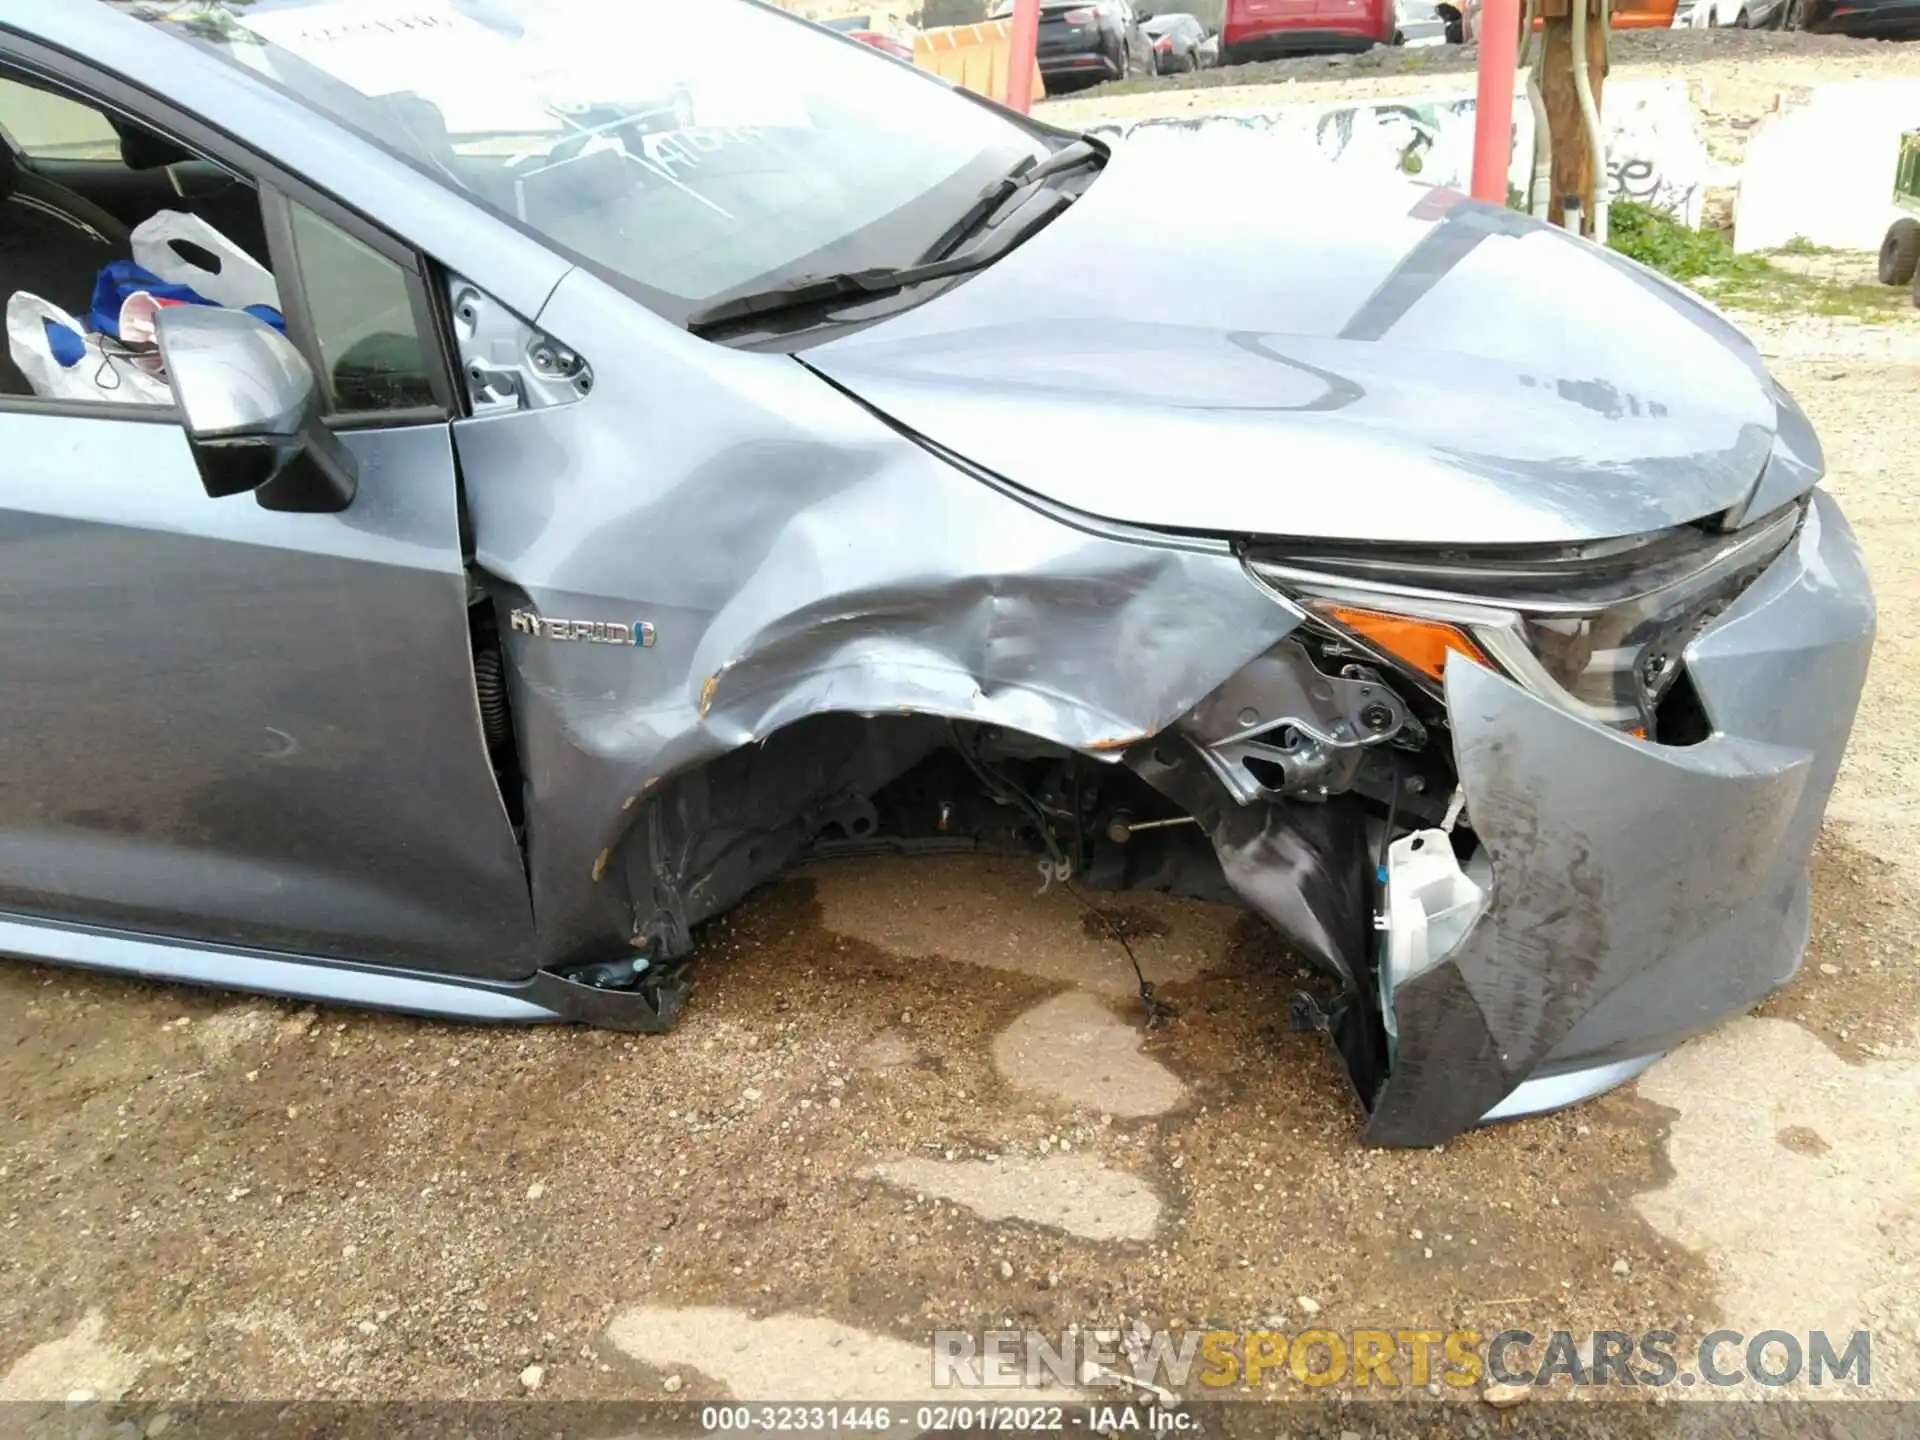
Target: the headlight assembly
(1598, 629)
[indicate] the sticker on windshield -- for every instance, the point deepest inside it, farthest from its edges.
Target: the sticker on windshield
(473, 74)
(743, 100)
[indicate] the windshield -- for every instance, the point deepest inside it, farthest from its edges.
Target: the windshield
(686, 151)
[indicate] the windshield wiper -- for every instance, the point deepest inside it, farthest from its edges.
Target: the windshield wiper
(807, 292)
(1023, 176)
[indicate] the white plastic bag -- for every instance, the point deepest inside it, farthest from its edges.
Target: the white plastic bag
(238, 279)
(63, 361)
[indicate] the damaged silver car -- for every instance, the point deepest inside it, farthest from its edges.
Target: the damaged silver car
(639, 469)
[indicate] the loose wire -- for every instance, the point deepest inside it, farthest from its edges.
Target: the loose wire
(1004, 789)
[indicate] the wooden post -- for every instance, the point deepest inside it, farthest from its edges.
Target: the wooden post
(1572, 157)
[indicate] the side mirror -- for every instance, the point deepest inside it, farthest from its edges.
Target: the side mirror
(252, 411)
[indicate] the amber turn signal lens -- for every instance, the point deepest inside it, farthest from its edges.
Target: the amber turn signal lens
(1421, 644)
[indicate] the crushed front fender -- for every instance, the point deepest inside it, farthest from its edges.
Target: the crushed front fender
(794, 558)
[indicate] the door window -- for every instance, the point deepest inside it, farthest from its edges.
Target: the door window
(45, 126)
(92, 248)
(372, 354)
(65, 226)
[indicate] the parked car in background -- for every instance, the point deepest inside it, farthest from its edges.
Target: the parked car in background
(1180, 43)
(1422, 22)
(894, 40)
(1263, 29)
(1739, 14)
(1082, 44)
(1866, 19)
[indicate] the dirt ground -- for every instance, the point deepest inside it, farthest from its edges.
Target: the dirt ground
(911, 1095)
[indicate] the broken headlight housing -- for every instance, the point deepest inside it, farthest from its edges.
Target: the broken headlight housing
(1599, 629)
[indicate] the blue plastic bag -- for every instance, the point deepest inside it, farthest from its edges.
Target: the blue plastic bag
(122, 278)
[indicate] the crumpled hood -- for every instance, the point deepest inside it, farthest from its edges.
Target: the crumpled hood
(1223, 336)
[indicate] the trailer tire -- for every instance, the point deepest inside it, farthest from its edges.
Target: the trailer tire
(1900, 252)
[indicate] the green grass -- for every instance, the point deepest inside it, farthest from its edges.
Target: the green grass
(1657, 240)
(1705, 260)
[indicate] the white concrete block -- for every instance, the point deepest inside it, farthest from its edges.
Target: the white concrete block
(1824, 170)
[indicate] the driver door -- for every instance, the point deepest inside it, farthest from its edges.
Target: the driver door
(231, 725)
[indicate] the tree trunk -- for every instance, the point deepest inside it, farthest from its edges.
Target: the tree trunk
(1572, 156)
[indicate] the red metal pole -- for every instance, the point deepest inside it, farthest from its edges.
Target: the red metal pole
(1025, 39)
(1499, 37)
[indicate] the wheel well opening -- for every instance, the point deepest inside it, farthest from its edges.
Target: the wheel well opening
(835, 786)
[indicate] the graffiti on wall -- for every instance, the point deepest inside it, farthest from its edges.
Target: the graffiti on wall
(1430, 140)
(1654, 155)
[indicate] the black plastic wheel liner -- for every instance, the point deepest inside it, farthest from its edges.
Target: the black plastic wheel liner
(1304, 868)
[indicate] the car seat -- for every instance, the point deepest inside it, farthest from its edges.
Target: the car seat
(52, 243)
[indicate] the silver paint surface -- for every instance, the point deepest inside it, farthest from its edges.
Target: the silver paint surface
(1556, 1092)
(299, 977)
(1187, 348)
(797, 557)
(226, 723)
(233, 375)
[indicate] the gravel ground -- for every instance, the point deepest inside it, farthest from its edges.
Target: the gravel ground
(1706, 54)
(908, 1095)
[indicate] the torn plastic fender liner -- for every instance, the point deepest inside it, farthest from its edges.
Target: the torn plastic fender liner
(1610, 858)
(1301, 866)
(710, 834)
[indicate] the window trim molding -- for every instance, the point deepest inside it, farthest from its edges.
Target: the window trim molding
(91, 410)
(275, 185)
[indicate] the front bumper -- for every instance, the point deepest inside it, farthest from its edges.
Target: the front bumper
(1322, 38)
(1088, 64)
(1640, 892)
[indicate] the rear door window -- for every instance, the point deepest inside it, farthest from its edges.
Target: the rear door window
(44, 126)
